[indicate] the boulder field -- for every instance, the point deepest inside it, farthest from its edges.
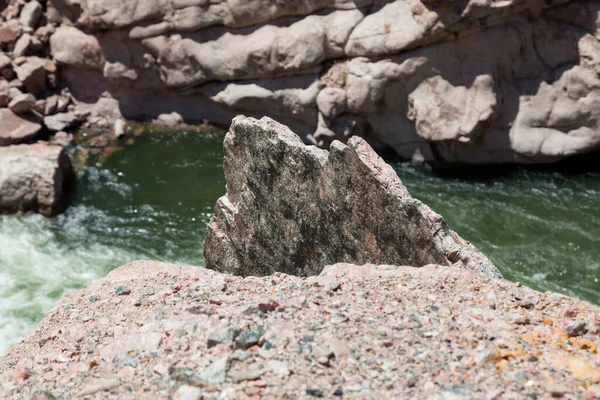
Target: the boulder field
(449, 329)
(471, 81)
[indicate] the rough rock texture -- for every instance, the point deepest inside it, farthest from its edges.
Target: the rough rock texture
(467, 80)
(294, 208)
(157, 331)
(33, 177)
(16, 129)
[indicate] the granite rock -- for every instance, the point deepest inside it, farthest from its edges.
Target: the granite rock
(294, 208)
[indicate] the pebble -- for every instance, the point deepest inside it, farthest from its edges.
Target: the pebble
(335, 286)
(339, 348)
(99, 385)
(161, 369)
(224, 336)
(185, 392)
(41, 394)
(122, 291)
(576, 329)
(248, 338)
(314, 392)
(216, 372)
(557, 390)
(244, 374)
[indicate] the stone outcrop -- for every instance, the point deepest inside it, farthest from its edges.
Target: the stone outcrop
(33, 177)
(151, 330)
(294, 208)
(467, 81)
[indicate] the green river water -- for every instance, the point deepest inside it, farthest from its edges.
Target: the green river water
(153, 201)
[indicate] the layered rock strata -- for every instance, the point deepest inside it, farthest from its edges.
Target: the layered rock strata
(467, 81)
(157, 331)
(295, 208)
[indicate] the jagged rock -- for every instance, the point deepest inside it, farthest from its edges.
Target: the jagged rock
(32, 74)
(33, 177)
(295, 208)
(30, 14)
(16, 129)
(22, 103)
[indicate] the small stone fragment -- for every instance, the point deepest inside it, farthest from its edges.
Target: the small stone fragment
(186, 392)
(278, 367)
(334, 286)
(576, 329)
(339, 348)
(267, 305)
(99, 385)
(161, 369)
(244, 374)
(216, 372)
(248, 338)
(314, 392)
(122, 291)
(224, 336)
(41, 394)
(557, 390)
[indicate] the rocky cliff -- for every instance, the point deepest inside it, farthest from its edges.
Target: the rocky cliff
(475, 81)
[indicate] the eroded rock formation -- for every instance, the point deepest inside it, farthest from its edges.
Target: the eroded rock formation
(467, 80)
(33, 177)
(294, 208)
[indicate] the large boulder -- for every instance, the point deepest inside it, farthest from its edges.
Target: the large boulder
(33, 177)
(295, 208)
(16, 129)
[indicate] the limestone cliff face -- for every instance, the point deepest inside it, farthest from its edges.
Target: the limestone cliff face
(474, 81)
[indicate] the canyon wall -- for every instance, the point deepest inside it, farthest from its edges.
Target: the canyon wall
(479, 81)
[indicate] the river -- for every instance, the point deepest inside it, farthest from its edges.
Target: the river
(153, 201)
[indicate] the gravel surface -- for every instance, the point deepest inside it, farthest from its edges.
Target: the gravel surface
(158, 331)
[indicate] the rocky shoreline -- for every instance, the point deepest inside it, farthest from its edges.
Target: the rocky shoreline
(447, 329)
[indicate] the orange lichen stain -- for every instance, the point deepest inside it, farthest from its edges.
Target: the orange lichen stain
(579, 369)
(597, 317)
(584, 345)
(532, 337)
(498, 355)
(562, 335)
(548, 321)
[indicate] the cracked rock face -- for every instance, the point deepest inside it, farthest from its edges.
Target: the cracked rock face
(295, 208)
(464, 81)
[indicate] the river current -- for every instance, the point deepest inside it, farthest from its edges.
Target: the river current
(153, 201)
